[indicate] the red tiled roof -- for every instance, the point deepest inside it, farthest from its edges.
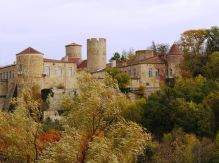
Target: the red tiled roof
(175, 50)
(73, 44)
(7, 66)
(155, 59)
(83, 64)
(73, 59)
(29, 50)
(53, 60)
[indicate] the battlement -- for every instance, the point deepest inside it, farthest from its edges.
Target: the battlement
(96, 40)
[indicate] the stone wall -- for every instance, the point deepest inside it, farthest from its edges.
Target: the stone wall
(96, 54)
(174, 62)
(73, 51)
(63, 81)
(143, 54)
(152, 81)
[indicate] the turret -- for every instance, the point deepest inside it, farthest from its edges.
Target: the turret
(96, 54)
(174, 58)
(73, 50)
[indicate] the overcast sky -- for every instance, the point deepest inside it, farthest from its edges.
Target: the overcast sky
(49, 25)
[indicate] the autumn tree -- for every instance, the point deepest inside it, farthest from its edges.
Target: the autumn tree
(191, 43)
(95, 129)
(19, 130)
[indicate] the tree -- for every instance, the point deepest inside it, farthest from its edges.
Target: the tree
(159, 48)
(94, 123)
(119, 75)
(211, 70)
(212, 39)
(192, 45)
(129, 55)
(19, 130)
(116, 56)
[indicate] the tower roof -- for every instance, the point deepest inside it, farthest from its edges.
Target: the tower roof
(73, 44)
(175, 50)
(29, 50)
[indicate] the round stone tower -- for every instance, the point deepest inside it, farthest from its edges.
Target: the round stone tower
(174, 58)
(96, 54)
(73, 50)
(30, 69)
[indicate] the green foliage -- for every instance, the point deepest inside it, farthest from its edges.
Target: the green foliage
(116, 56)
(134, 112)
(211, 70)
(120, 76)
(212, 39)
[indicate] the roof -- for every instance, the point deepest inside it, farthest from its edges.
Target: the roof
(7, 66)
(155, 60)
(53, 60)
(73, 59)
(152, 60)
(175, 50)
(83, 64)
(29, 50)
(73, 44)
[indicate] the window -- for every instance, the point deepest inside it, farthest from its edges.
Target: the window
(4, 75)
(170, 73)
(20, 67)
(10, 74)
(150, 72)
(157, 73)
(147, 85)
(13, 73)
(129, 72)
(125, 71)
(1, 76)
(47, 71)
(7, 76)
(59, 71)
(134, 72)
(70, 71)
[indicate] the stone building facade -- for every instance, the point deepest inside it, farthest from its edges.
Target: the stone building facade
(31, 68)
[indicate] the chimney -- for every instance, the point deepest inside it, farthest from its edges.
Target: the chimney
(66, 58)
(124, 63)
(113, 63)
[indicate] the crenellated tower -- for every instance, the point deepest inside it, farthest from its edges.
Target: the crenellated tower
(96, 54)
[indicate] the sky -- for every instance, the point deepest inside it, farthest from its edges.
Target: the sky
(49, 25)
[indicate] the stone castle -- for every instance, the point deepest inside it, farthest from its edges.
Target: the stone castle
(31, 67)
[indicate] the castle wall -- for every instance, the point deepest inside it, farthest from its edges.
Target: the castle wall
(63, 81)
(143, 54)
(96, 54)
(152, 81)
(73, 51)
(174, 62)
